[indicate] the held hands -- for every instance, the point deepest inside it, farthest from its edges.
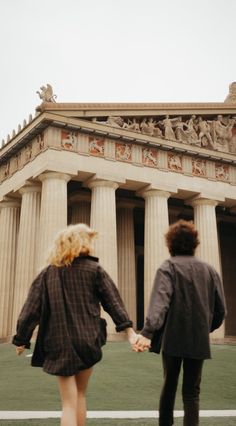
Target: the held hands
(138, 342)
(20, 350)
(142, 344)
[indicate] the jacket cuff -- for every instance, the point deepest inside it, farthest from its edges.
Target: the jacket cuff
(17, 341)
(124, 325)
(147, 334)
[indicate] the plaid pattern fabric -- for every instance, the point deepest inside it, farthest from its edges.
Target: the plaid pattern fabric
(74, 333)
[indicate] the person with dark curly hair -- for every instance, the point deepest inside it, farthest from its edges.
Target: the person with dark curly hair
(186, 304)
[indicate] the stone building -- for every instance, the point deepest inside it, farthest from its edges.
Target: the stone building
(128, 170)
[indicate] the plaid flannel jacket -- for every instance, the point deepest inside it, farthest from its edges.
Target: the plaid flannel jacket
(65, 301)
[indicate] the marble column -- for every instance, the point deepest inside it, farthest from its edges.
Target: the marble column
(9, 225)
(205, 223)
(103, 220)
(53, 213)
(208, 249)
(27, 245)
(126, 257)
(155, 227)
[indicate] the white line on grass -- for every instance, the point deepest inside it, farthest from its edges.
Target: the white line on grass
(13, 415)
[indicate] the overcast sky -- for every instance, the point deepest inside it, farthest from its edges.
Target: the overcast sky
(114, 51)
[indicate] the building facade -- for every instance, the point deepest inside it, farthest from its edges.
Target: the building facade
(127, 170)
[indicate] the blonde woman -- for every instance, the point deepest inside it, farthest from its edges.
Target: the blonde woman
(65, 300)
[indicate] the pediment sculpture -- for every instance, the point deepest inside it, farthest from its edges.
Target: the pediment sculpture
(218, 133)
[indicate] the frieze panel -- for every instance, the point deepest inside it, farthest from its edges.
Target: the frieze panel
(149, 157)
(217, 133)
(24, 156)
(222, 172)
(175, 162)
(96, 146)
(123, 152)
(68, 140)
(198, 167)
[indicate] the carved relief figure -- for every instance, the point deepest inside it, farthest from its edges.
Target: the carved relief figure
(28, 152)
(132, 125)
(180, 128)
(40, 141)
(212, 134)
(149, 156)
(114, 121)
(19, 160)
(68, 139)
(222, 171)
(204, 133)
(175, 162)
(123, 151)
(46, 94)
(168, 129)
(7, 169)
(198, 167)
(192, 131)
(96, 146)
(222, 133)
(232, 142)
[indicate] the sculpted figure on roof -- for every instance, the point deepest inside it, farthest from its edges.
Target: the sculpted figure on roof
(47, 94)
(231, 98)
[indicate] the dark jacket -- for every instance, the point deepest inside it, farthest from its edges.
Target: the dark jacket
(186, 304)
(65, 302)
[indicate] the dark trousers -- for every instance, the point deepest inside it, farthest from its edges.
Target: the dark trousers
(192, 372)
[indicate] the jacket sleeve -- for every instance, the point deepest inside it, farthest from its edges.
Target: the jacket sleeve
(159, 300)
(219, 305)
(111, 300)
(30, 313)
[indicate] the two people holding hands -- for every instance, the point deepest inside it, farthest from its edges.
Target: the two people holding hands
(186, 304)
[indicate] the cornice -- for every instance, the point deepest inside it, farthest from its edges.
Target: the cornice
(49, 106)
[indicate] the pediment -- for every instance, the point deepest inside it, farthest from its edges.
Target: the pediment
(206, 125)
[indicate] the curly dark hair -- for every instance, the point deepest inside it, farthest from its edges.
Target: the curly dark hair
(182, 238)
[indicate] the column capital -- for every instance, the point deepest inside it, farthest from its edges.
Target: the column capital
(54, 175)
(201, 201)
(94, 183)
(150, 192)
(30, 187)
(9, 202)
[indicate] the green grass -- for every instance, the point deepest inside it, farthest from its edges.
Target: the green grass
(223, 421)
(123, 380)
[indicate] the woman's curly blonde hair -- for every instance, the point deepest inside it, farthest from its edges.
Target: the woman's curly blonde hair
(74, 241)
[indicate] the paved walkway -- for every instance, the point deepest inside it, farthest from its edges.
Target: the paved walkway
(13, 415)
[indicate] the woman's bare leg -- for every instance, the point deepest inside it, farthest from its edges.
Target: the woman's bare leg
(82, 382)
(69, 400)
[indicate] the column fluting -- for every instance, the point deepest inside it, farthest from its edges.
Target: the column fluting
(208, 249)
(103, 220)
(155, 226)
(53, 213)
(9, 225)
(27, 245)
(205, 223)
